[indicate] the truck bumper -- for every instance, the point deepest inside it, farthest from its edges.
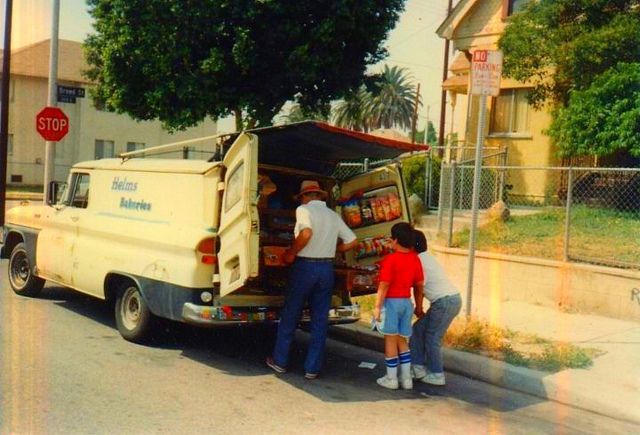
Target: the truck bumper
(201, 315)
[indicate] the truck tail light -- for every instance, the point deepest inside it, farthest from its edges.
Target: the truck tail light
(207, 248)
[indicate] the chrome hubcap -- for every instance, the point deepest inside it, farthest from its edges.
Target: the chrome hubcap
(130, 308)
(19, 271)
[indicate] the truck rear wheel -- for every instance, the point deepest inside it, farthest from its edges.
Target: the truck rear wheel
(134, 320)
(21, 277)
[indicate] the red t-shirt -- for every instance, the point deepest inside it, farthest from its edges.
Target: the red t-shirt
(401, 270)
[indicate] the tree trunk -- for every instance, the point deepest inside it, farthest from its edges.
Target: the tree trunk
(237, 112)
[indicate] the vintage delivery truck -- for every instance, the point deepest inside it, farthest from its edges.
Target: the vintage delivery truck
(198, 240)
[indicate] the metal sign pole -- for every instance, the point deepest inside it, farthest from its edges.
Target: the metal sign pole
(50, 150)
(4, 108)
(486, 71)
(475, 199)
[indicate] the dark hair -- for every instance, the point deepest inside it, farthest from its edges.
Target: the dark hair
(421, 242)
(404, 234)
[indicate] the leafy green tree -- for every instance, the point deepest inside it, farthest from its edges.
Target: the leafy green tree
(604, 117)
(562, 45)
(181, 61)
(297, 113)
(432, 136)
(563, 48)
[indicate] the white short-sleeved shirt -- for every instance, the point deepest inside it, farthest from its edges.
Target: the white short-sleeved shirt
(327, 227)
(436, 284)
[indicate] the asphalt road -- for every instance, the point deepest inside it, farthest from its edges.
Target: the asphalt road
(64, 369)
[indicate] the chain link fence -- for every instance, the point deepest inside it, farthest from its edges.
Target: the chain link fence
(589, 215)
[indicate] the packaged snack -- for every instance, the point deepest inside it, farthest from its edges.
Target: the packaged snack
(351, 214)
(378, 212)
(394, 205)
(366, 212)
(384, 203)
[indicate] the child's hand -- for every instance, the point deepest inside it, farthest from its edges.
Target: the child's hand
(376, 314)
(419, 313)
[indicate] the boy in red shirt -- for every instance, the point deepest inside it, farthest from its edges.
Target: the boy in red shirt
(400, 271)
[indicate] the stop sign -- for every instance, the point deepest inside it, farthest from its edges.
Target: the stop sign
(52, 124)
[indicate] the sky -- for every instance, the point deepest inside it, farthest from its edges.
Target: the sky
(413, 43)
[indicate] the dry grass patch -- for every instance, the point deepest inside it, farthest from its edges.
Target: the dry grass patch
(525, 350)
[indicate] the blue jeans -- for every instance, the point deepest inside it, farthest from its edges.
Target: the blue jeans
(312, 281)
(426, 341)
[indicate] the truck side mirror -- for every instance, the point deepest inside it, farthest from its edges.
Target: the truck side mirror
(54, 192)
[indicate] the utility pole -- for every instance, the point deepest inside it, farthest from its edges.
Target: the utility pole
(443, 97)
(415, 116)
(50, 150)
(4, 106)
(426, 129)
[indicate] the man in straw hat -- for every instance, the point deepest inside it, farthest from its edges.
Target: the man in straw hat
(311, 278)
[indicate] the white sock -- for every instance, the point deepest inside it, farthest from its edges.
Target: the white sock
(405, 365)
(392, 367)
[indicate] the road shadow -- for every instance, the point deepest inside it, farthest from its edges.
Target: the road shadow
(241, 351)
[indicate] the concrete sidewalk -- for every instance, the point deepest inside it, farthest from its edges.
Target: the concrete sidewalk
(610, 387)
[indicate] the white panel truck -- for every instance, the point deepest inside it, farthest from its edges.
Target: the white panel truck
(198, 240)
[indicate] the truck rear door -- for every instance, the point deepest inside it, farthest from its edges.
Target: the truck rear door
(371, 204)
(238, 258)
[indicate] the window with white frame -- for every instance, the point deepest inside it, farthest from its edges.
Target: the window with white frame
(135, 146)
(104, 149)
(510, 112)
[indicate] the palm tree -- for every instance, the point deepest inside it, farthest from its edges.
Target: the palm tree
(354, 111)
(394, 99)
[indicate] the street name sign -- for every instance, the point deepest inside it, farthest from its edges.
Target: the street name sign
(52, 124)
(68, 94)
(486, 71)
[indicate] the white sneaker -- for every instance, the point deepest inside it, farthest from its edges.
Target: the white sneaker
(406, 383)
(387, 382)
(418, 372)
(434, 379)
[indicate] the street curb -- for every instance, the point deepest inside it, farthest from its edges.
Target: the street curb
(533, 382)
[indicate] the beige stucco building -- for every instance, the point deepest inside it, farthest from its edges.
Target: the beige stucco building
(512, 123)
(92, 133)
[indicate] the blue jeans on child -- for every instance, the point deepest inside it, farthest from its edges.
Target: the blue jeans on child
(427, 335)
(311, 280)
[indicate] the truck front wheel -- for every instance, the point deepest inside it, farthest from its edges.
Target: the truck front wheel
(21, 277)
(134, 320)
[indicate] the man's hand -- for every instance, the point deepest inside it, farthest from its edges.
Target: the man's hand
(419, 312)
(289, 256)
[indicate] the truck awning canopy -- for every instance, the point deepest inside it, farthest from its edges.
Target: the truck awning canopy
(318, 147)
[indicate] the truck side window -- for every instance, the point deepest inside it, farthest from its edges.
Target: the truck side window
(234, 187)
(80, 195)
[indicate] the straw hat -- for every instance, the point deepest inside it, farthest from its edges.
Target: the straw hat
(309, 186)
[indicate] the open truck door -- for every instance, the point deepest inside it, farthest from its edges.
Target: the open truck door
(372, 203)
(239, 235)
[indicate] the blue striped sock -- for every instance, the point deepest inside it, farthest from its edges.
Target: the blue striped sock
(405, 357)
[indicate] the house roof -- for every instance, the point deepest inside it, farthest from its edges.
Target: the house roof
(457, 83)
(33, 60)
(460, 64)
(450, 23)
